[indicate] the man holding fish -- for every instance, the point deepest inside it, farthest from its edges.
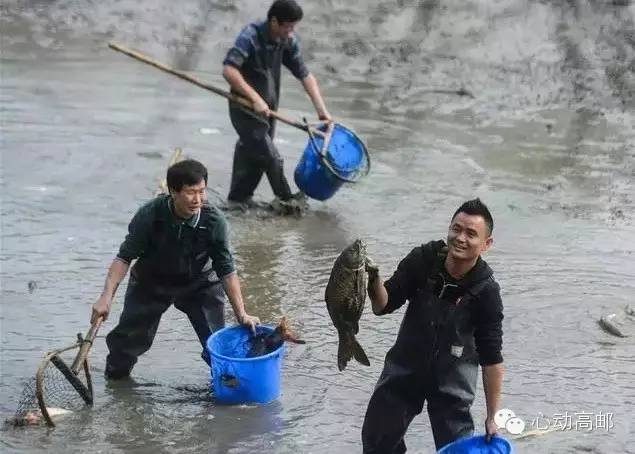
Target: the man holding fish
(452, 324)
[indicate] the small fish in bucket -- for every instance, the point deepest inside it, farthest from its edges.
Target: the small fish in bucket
(57, 388)
(334, 155)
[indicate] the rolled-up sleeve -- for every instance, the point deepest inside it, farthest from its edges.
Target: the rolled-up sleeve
(292, 59)
(402, 285)
(488, 326)
(138, 237)
(243, 47)
(220, 251)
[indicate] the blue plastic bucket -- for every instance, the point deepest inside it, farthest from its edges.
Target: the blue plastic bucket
(237, 379)
(478, 445)
(319, 176)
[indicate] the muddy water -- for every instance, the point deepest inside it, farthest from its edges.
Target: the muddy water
(546, 142)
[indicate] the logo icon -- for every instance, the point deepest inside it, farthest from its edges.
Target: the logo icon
(515, 425)
(507, 419)
(502, 416)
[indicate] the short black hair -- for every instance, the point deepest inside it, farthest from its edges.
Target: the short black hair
(475, 207)
(285, 11)
(186, 173)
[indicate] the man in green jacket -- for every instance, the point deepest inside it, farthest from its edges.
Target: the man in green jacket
(183, 258)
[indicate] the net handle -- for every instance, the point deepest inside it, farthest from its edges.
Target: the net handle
(86, 343)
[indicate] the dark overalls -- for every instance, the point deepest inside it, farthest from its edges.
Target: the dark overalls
(259, 60)
(175, 269)
(433, 359)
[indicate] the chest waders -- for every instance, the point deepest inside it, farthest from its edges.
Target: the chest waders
(434, 359)
(176, 270)
(255, 152)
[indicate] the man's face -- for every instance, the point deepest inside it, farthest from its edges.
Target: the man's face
(282, 29)
(188, 201)
(468, 237)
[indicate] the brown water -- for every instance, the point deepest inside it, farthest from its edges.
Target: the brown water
(547, 142)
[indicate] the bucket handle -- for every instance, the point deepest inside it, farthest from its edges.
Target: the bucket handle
(322, 154)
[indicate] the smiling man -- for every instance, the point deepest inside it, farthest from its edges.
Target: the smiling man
(452, 324)
(252, 69)
(183, 258)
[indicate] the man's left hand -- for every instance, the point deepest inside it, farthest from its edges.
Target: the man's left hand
(325, 116)
(249, 321)
(490, 429)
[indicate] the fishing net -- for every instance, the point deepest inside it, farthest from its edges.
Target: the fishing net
(62, 384)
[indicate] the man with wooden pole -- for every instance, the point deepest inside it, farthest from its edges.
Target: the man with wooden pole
(252, 69)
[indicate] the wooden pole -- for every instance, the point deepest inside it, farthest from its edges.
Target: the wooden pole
(225, 94)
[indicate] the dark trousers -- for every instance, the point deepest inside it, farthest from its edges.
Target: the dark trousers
(142, 313)
(397, 400)
(254, 155)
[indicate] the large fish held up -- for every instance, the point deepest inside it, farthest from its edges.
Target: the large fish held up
(345, 297)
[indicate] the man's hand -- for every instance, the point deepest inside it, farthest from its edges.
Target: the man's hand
(325, 116)
(248, 320)
(372, 269)
(261, 108)
(490, 429)
(100, 309)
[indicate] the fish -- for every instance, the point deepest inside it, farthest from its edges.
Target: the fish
(608, 324)
(265, 343)
(533, 433)
(35, 417)
(345, 297)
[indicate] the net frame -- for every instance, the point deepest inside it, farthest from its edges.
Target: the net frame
(56, 385)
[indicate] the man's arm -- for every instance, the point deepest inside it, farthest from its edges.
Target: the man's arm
(492, 385)
(116, 273)
(376, 290)
(488, 336)
(313, 90)
(231, 284)
(236, 80)
(135, 244)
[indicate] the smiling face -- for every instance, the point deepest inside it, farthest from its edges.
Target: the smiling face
(468, 237)
(188, 201)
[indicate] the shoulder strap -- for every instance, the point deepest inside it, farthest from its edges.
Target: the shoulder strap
(475, 290)
(437, 258)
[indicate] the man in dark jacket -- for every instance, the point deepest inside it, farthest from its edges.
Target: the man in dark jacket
(252, 69)
(183, 257)
(452, 324)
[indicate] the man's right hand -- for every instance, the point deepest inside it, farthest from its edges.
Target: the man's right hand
(100, 309)
(372, 269)
(261, 108)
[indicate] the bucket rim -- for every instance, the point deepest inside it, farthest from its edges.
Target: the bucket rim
(276, 352)
(324, 157)
(471, 439)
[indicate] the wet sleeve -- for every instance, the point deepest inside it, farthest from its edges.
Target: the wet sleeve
(243, 47)
(138, 237)
(402, 285)
(220, 253)
(292, 59)
(488, 326)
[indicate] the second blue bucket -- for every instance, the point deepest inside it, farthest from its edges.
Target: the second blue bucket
(478, 445)
(345, 156)
(237, 379)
